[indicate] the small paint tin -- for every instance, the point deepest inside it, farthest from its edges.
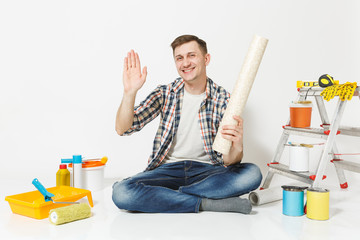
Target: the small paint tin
(318, 203)
(293, 200)
(299, 159)
(300, 114)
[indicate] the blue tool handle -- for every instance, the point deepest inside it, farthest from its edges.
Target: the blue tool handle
(66, 160)
(42, 190)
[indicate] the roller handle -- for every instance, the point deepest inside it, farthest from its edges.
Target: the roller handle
(66, 160)
(42, 190)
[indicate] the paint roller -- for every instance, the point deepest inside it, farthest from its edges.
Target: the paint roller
(66, 214)
(241, 90)
(70, 213)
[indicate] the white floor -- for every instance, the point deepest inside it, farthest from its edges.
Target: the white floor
(265, 222)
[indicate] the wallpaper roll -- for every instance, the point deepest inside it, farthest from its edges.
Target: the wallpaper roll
(241, 90)
(269, 195)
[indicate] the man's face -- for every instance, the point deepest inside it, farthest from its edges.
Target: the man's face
(191, 62)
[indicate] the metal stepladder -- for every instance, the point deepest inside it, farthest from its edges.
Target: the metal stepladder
(328, 131)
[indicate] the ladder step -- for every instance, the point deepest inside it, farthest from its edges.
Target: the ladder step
(307, 132)
(350, 131)
(283, 169)
(347, 165)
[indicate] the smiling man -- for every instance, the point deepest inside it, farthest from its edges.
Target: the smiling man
(184, 173)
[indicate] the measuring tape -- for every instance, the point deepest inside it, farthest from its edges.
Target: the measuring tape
(326, 80)
(344, 91)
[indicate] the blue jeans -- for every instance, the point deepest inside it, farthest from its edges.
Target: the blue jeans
(179, 187)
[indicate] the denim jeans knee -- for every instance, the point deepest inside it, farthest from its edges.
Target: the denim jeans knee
(121, 195)
(255, 174)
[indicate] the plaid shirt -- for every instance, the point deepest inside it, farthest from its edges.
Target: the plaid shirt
(166, 100)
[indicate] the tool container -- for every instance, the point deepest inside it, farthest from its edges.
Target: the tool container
(299, 159)
(63, 176)
(300, 114)
(76, 180)
(318, 203)
(92, 175)
(293, 200)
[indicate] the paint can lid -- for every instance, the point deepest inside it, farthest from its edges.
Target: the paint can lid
(318, 190)
(301, 104)
(293, 188)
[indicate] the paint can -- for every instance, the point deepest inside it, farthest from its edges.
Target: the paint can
(293, 200)
(318, 203)
(299, 159)
(92, 175)
(300, 114)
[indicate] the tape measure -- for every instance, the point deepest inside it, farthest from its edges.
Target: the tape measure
(326, 80)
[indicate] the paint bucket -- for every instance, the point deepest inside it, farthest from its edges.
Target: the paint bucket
(318, 203)
(300, 114)
(299, 159)
(92, 175)
(293, 200)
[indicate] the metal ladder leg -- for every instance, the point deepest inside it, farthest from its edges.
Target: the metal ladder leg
(329, 143)
(325, 121)
(339, 171)
(278, 153)
(322, 110)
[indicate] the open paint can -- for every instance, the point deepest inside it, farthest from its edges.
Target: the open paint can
(318, 203)
(92, 175)
(300, 114)
(293, 200)
(299, 159)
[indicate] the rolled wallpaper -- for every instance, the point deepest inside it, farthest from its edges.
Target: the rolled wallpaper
(241, 90)
(260, 197)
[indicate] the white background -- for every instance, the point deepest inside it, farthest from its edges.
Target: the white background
(61, 72)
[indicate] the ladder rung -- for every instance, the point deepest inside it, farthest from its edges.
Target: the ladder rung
(347, 165)
(316, 91)
(307, 132)
(350, 131)
(282, 169)
(313, 91)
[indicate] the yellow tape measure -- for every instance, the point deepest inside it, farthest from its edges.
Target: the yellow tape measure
(326, 80)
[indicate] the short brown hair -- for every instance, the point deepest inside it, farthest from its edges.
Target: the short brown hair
(188, 38)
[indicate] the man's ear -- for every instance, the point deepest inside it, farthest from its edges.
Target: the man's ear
(207, 59)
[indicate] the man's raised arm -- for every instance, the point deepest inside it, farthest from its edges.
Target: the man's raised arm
(133, 80)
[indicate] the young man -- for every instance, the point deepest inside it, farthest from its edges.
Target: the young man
(184, 173)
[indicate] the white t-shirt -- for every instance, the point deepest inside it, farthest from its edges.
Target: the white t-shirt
(187, 143)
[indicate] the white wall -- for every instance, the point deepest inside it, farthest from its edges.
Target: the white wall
(61, 71)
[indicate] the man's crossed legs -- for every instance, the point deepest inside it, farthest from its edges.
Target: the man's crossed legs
(188, 186)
